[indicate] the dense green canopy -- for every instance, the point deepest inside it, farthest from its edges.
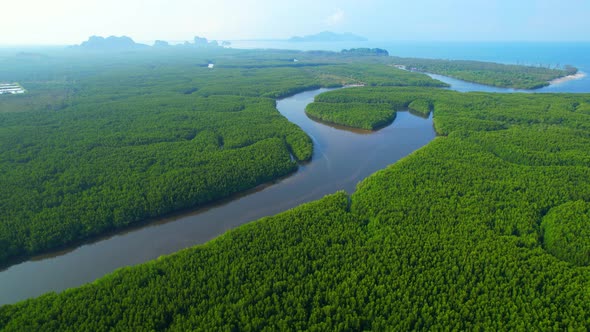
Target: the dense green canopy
(102, 141)
(356, 115)
(494, 74)
(566, 232)
(454, 236)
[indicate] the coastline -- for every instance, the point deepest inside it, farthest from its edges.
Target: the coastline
(575, 76)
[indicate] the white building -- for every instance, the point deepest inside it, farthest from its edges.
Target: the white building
(11, 89)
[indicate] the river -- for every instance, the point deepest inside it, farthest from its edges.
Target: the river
(341, 159)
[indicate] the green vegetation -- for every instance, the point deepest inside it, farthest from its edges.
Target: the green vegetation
(566, 232)
(367, 108)
(488, 73)
(104, 141)
(362, 108)
(366, 51)
(356, 115)
(79, 172)
(450, 237)
(380, 75)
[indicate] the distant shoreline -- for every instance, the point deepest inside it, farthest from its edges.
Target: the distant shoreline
(567, 78)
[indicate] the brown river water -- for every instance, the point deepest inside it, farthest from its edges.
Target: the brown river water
(341, 159)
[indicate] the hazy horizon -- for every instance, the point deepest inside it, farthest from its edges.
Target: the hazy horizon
(66, 22)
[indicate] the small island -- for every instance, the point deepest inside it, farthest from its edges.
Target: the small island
(110, 43)
(353, 115)
(365, 51)
(125, 43)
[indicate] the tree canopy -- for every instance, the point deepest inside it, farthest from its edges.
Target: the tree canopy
(469, 233)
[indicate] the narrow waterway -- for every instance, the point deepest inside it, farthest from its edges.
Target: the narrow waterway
(568, 86)
(341, 159)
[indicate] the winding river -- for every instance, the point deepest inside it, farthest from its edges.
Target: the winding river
(341, 159)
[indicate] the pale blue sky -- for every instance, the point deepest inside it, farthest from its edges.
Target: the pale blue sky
(72, 21)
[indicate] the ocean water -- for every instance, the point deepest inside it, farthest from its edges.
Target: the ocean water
(526, 53)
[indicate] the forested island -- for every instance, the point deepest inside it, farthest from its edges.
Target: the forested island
(355, 115)
(472, 232)
(366, 51)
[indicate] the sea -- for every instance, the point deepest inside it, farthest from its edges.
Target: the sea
(546, 54)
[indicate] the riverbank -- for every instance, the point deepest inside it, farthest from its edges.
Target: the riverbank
(564, 79)
(454, 225)
(341, 158)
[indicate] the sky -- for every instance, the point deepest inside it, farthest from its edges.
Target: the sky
(65, 22)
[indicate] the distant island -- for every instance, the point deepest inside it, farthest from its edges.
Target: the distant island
(328, 36)
(124, 43)
(365, 51)
(111, 43)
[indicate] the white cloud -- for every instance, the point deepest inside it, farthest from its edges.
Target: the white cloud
(336, 18)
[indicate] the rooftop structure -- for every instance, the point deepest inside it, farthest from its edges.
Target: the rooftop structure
(11, 88)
